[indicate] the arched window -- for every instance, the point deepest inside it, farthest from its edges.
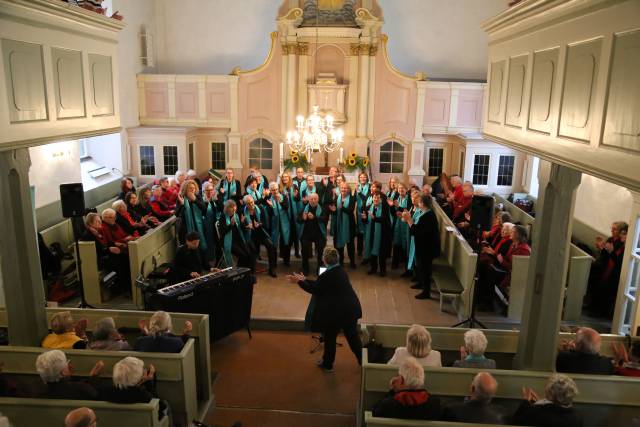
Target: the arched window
(392, 157)
(261, 153)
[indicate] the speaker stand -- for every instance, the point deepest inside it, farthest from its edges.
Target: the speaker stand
(471, 321)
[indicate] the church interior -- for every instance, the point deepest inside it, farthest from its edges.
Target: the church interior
(320, 212)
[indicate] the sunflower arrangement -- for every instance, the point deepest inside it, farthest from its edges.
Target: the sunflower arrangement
(296, 160)
(354, 162)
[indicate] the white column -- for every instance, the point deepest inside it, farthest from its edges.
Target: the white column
(234, 136)
(19, 260)
(453, 107)
(548, 266)
(372, 93)
(142, 99)
(171, 99)
(363, 101)
(352, 98)
(625, 274)
(292, 76)
(285, 86)
(416, 166)
(202, 99)
(303, 71)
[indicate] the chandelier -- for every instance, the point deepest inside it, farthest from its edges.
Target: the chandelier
(315, 133)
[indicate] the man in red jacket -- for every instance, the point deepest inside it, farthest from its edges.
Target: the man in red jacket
(463, 204)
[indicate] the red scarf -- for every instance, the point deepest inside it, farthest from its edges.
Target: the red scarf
(411, 397)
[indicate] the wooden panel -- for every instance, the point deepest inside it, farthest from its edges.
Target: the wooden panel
(495, 91)
(581, 70)
(101, 84)
(545, 66)
(622, 125)
(156, 100)
(515, 90)
(436, 108)
(25, 82)
(186, 100)
(218, 100)
(470, 108)
(68, 82)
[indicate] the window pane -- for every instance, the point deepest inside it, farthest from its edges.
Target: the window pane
(254, 153)
(481, 169)
(170, 157)
(436, 161)
(266, 164)
(398, 157)
(385, 157)
(261, 153)
(387, 146)
(385, 167)
(147, 160)
(396, 168)
(218, 160)
(505, 170)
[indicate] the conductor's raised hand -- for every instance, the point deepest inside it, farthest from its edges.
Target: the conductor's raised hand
(296, 277)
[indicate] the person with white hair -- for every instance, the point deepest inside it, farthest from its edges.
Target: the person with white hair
(314, 229)
(582, 355)
(157, 337)
(253, 220)
(132, 383)
(418, 347)
(179, 178)
(105, 336)
(555, 410)
(477, 408)
(66, 333)
(113, 232)
(407, 397)
(277, 207)
(472, 352)
(233, 239)
(126, 222)
(56, 371)
(337, 307)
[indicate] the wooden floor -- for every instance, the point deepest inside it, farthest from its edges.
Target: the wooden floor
(384, 299)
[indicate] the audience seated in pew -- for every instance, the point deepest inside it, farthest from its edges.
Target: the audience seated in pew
(113, 233)
(126, 186)
(472, 353)
(126, 222)
(65, 333)
(477, 408)
(157, 338)
(407, 397)
(158, 206)
(139, 213)
(81, 417)
(168, 193)
(418, 348)
(581, 356)
(555, 410)
(106, 337)
(627, 362)
(495, 234)
(56, 373)
(131, 382)
(111, 256)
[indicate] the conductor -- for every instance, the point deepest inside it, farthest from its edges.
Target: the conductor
(337, 307)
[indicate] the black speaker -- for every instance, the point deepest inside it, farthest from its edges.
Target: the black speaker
(481, 212)
(72, 199)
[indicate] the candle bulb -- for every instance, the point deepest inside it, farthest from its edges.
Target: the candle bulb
(341, 154)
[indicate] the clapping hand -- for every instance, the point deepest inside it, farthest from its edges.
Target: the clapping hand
(529, 395)
(310, 216)
(463, 352)
(296, 277)
(142, 325)
(95, 371)
(81, 328)
(396, 383)
(608, 247)
(270, 203)
(194, 274)
(390, 201)
(621, 356)
(188, 327)
(256, 224)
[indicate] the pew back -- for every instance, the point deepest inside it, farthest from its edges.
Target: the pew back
(91, 275)
(371, 421)
(176, 373)
(606, 399)
(27, 412)
(157, 246)
(459, 255)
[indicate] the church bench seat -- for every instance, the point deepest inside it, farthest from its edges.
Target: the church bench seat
(371, 421)
(603, 400)
(28, 412)
(129, 319)
(175, 372)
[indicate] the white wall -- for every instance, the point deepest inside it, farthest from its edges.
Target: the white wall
(52, 165)
(599, 203)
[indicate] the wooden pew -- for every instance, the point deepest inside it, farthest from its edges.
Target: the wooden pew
(371, 421)
(457, 262)
(26, 412)
(176, 372)
(603, 400)
(154, 248)
(501, 343)
(129, 319)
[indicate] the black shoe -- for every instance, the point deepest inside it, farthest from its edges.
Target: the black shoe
(320, 364)
(272, 273)
(416, 286)
(365, 262)
(383, 274)
(424, 295)
(407, 273)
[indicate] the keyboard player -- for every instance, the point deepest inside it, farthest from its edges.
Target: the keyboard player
(189, 262)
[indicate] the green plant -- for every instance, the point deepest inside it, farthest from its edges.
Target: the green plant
(297, 160)
(354, 162)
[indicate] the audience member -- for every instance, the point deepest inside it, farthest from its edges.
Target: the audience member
(143, 207)
(56, 372)
(106, 337)
(126, 221)
(126, 186)
(478, 407)
(472, 353)
(462, 205)
(627, 363)
(168, 194)
(493, 236)
(160, 210)
(519, 247)
(65, 333)
(440, 188)
(112, 232)
(418, 347)
(131, 382)
(581, 356)
(555, 410)
(158, 337)
(407, 397)
(81, 417)
(139, 213)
